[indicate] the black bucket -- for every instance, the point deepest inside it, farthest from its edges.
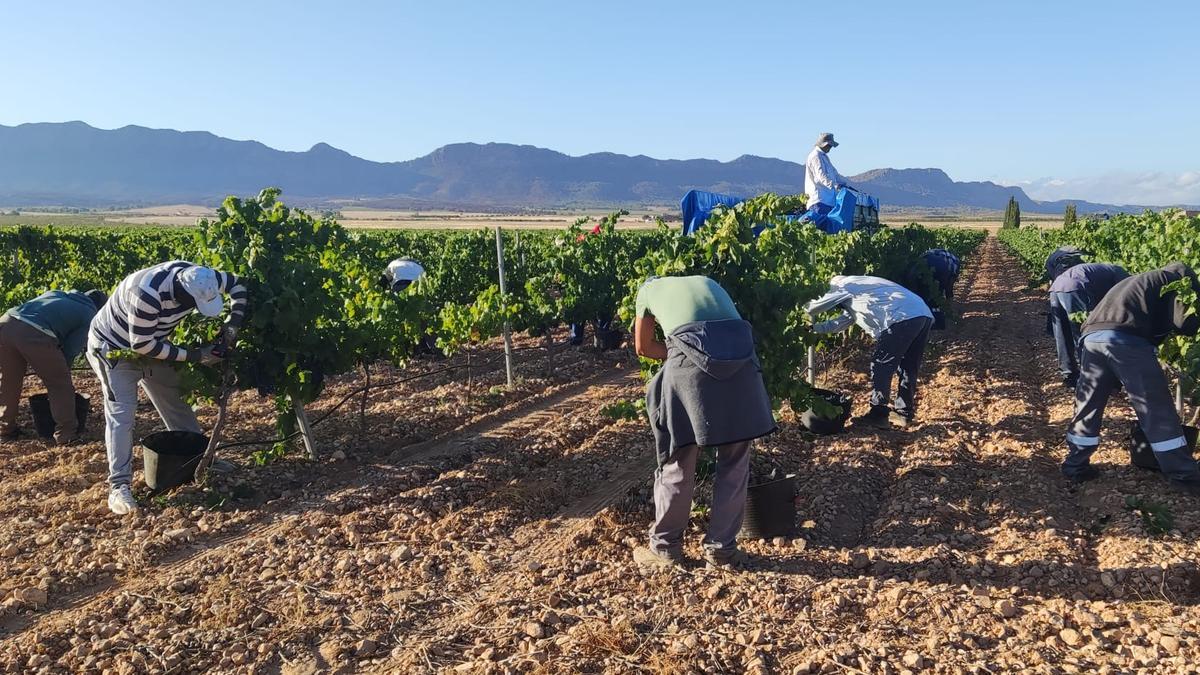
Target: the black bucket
(43, 421)
(170, 457)
(1142, 455)
(939, 319)
(770, 509)
(827, 425)
(607, 339)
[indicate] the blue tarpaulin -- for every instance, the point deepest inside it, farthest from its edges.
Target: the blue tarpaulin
(697, 204)
(841, 218)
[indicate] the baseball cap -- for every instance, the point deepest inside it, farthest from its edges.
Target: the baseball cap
(201, 283)
(826, 137)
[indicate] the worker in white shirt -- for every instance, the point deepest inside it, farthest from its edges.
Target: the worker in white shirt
(821, 180)
(401, 273)
(899, 320)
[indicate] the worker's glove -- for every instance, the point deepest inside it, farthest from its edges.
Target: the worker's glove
(208, 358)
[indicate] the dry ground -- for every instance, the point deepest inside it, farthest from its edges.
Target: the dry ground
(494, 535)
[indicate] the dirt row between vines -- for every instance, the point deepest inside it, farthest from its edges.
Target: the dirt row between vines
(452, 538)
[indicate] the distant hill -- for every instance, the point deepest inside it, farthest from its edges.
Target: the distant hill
(74, 164)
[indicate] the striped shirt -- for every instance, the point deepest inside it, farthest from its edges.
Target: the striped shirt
(142, 312)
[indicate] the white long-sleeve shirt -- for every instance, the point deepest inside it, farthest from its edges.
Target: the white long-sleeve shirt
(820, 178)
(874, 304)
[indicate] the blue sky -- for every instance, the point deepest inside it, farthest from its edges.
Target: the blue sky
(1096, 100)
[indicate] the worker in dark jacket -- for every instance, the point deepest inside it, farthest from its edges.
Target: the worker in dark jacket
(1078, 288)
(709, 392)
(1118, 348)
(1061, 259)
(945, 268)
(45, 334)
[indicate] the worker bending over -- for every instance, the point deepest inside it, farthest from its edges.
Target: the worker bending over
(45, 334)
(401, 273)
(1078, 287)
(899, 320)
(709, 392)
(140, 316)
(1119, 344)
(945, 268)
(399, 276)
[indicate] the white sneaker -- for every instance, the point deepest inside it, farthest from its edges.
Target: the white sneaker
(121, 501)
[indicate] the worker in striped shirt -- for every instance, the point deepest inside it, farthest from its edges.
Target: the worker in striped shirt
(140, 316)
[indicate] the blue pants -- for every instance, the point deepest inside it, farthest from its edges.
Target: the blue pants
(575, 330)
(1066, 332)
(945, 282)
(899, 349)
(1104, 366)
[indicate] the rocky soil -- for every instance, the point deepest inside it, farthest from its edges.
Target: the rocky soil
(492, 534)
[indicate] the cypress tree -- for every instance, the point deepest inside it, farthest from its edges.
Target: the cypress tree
(1012, 213)
(1069, 216)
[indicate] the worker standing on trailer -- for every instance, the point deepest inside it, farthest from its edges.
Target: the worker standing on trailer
(900, 321)
(45, 334)
(821, 180)
(1119, 344)
(1078, 287)
(140, 316)
(709, 392)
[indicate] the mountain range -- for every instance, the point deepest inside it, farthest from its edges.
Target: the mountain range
(75, 164)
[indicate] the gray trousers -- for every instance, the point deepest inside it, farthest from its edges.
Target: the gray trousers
(674, 483)
(120, 381)
(899, 349)
(1102, 367)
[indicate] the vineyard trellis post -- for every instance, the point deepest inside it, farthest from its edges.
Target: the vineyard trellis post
(362, 405)
(508, 371)
(812, 350)
(310, 444)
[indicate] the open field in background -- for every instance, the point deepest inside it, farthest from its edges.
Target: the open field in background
(186, 215)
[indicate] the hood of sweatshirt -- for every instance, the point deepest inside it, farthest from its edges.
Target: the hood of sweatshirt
(719, 348)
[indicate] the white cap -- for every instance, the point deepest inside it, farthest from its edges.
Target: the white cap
(201, 283)
(405, 269)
